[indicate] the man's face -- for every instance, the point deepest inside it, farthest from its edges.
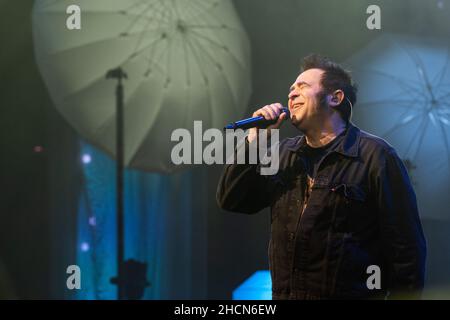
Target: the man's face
(305, 98)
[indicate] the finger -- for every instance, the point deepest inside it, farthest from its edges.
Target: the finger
(278, 107)
(273, 113)
(258, 113)
(275, 110)
(263, 112)
(281, 119)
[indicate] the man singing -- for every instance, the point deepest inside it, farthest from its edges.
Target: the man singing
(344, 217)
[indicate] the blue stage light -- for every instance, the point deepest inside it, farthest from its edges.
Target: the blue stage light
(257, 287)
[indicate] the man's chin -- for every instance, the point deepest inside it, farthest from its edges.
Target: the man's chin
(297, 122)
(296, 118)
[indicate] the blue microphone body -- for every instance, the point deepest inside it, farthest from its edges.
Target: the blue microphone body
(253, 122)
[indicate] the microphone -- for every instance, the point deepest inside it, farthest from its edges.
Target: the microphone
(253, 122)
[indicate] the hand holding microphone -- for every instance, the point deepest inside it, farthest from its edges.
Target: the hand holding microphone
(274, 114)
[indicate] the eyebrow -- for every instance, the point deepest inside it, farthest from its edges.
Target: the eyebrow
(300, 83)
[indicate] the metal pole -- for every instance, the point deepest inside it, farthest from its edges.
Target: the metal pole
(121, 275)
(131, 274)
(119, 186)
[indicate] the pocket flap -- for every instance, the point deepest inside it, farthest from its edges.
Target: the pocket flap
(351, 191)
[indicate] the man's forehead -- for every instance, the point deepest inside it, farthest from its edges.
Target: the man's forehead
(310, 76)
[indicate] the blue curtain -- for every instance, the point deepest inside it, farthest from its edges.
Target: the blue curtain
(159, 213)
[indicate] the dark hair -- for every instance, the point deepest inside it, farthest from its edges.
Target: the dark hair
(334, 78)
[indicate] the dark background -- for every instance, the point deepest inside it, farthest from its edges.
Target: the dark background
(36, 187)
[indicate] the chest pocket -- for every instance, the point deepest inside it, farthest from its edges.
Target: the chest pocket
(349, 207)
(350, 192)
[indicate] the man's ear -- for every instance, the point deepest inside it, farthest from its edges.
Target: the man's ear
(336, 98)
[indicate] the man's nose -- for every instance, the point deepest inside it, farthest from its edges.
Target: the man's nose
(292, 94)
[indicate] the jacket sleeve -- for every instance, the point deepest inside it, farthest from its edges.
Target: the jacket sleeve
(403, 241)
(242, 188)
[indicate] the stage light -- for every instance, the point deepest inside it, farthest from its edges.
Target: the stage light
(85, 246)
(38, 149)
(257, 287)
(92, 221)
(86, 158)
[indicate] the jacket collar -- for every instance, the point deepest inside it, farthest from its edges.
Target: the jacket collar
(349, 146)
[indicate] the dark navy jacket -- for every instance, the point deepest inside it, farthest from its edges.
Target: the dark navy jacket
(361, 211)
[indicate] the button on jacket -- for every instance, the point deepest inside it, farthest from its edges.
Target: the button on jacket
(359, 211)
